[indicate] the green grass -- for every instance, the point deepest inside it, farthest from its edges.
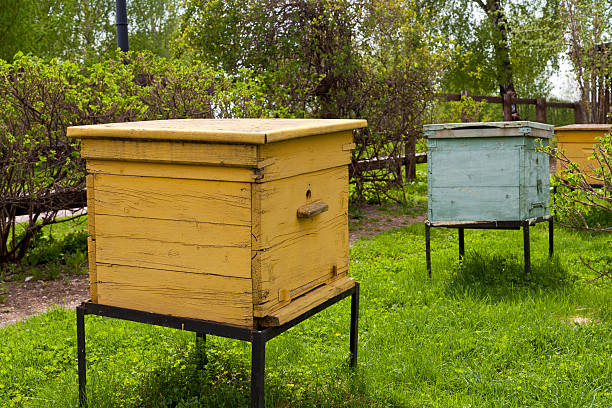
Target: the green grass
(477, 335)
(59, 249)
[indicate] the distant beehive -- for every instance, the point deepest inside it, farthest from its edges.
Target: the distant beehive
(236, 221)
(487, 171)
(577, 142)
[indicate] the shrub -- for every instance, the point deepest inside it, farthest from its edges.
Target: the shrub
(41, 169)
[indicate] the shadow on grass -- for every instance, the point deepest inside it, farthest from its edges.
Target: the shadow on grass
(225, 382)
(500, 276)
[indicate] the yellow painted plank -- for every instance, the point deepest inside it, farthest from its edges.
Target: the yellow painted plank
(251, 131)
(91, 213)
(93, 277)
(304, 155)
(579, 136)
(290, 253)
(307, 302)
(206, 297)
(178, 171)
(174, 199)
(170, 152)
(188, 246)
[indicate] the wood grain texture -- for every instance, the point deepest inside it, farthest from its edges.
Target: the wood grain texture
(475, 168)
(198, 296)
(91, 243)
(187, 246)
(474, 204)
(251, 131)
(217, 202)
(312, 209)
(306, 302)
(298, 254)
(176, 171)
(93, 276)
(170, 152)
(304, 155)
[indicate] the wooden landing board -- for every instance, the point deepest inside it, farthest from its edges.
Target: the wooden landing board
(294, 254)
(216, 298)
(306, 302)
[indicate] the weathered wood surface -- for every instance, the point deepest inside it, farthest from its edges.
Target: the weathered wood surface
(305, 155)
(186, 246)
(487, 179)
(577, 143)
(194, 295)
(91, 243)
(175, 171)
(296, 254)
(170, 152)
(306, 302)
(312, 209)
(177, 199)
(249, 131)
(200, 218)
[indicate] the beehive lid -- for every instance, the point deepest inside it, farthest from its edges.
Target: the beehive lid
(585, 126)
(488, 129)
(244, 131)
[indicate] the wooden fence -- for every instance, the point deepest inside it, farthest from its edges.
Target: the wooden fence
(541, 105)
(76, 199)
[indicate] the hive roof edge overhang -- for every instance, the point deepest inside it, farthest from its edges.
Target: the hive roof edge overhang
(195, 130)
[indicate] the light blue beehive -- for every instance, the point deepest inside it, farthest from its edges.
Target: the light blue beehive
(487, 171)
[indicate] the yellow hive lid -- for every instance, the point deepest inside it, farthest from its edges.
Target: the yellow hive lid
(585, 126)
(246, 131)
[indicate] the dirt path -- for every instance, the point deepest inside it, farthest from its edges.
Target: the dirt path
(24, 299)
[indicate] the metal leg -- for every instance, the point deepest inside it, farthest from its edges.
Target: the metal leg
(427, 250)
(201, 350)
(82, 368)
(526, 249)
(258, 370)
(551, 234)
(461, 244)
(354, 325)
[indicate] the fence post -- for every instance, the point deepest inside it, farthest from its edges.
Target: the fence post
(507, 107)
(464, 94)
(578, 113)
(541, 110)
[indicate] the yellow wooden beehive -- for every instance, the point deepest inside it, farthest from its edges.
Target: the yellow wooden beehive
(238, 221)
(577, 141)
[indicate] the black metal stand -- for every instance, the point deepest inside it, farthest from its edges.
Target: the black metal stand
(503, 225)
(257, 338)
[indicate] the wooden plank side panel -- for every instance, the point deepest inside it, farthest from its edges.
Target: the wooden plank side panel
(187, 246)
(474, 204)
(578, 136)
(475, 168)
(176, 171)
(93, 276)
(489, 144)
(170, 152)
(216, 298)
(174, 199)
(91, 243)
(304, 155)
(293, 254)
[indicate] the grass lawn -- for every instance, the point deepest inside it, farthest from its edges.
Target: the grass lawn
(476, 335)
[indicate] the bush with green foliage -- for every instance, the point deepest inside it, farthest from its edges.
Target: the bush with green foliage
(39, 99)
(331, 59)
